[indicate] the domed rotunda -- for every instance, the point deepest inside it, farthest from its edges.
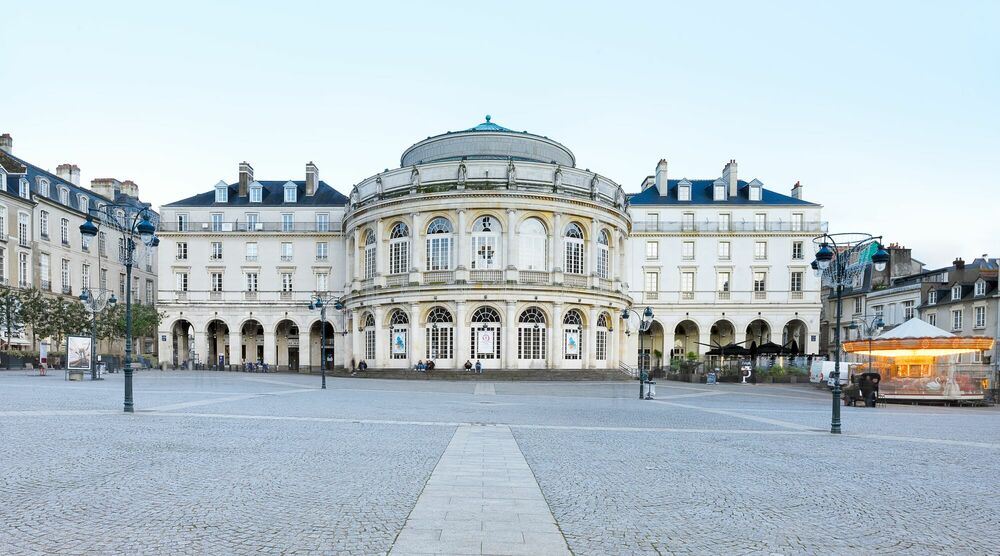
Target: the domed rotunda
(486, 244)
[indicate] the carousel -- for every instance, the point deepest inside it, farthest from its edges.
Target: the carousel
(919, 361)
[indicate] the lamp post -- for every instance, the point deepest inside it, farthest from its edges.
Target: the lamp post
(840, 260)
(131, 222)
(868, 324)
(645, 321)
(95, 302)
(320, 303)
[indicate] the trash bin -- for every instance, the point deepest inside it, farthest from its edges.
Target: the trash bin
(650, 389)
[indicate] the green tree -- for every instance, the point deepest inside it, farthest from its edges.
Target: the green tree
(32, 312)
(11, 319)
(111, 323)
(61, 317)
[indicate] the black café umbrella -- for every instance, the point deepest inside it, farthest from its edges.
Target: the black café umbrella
(731, 350)
(771, 348)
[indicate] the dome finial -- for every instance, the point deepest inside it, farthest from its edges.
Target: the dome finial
(487, 118)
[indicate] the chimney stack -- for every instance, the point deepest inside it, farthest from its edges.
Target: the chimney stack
(6, 143)
(312, 179)
(130, 188)
(246, 178)
(661, 178)
(959, 264)
(69, 172)
(797, 191)
(729, 176)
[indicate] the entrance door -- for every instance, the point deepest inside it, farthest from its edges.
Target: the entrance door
(293, 358)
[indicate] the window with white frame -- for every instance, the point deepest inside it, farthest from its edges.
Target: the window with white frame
(121, 285)
(722, 279)
(43, 187)
(286, 251)
(287, 222)
(652, 250)
(603, 254)
(3, 222)
(182, 222)
(251, 251)
(369, 334)
(687, 250)
(533, 245)
(760, 250)
(879, 311)
(84, 203)
(221, 193)
(759, 282)
(22, 270)
(216, 221)
(797, 250)
(654, 221)
(322, 222)
(286, 282)
(251, 282)
(980, 317)
(980, 288)
(290, 193)
(180, 277)
(796, 221)
(256, 193)
(103, 279)
(574, 250)
(908, 307)
(724, 250)
(687, 285)
(956, 319)
(956, 292)
(43, 224)
(216, 251)
(572, 334)
(399, 327)
(438, 243)
(322, 281)
(85, 276)
(687, 222)
(23, 230)
(531, 334)
(440, 334)
(932, 297)
(725, 222)
(322, 250)
(684, 192)
(796, 281)
(857, 305)
(64, 195)
(485, 334)
(652, 281)
(3, 264)
(399, 248)
(64, 275)
(182, 250)
(64, 231)
(371, 252)
(253, 221)
(719, 192)
(601, 348)
(932, 319)
(760, 222)
(216, 282)
(485, 243)
(149, 292)
(755, 192)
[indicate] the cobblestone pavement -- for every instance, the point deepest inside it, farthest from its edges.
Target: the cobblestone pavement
(233, 463)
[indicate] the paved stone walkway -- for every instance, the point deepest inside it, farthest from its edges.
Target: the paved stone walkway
(481, 499)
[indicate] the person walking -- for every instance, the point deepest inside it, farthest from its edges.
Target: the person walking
(353, 366)
(479, 367)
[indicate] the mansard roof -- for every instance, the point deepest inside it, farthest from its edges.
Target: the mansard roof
(702, 194)
(272, 195)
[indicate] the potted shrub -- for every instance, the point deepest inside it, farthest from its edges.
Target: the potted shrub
(763, 375)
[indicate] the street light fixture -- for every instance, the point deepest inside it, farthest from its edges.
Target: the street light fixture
(319, 303)
(131, 222)
(868, 324)
(645, 322)
(840, 260)
(95, 302)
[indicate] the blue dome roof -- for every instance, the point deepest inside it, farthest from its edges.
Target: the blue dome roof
(488, 126)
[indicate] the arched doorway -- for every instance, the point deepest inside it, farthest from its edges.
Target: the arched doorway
(439, 336)
(685, 339)
(651, 343)
(218, 343)
(399, 330)
(486, 331)
(573, 334)
(758, 333)
(531, 335)
(251, 342)
(722, 334)
(794, 336)
(316, 347)
(182, 342)
(286, 339)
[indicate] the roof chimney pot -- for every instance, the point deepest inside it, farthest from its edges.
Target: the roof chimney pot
(246, 178)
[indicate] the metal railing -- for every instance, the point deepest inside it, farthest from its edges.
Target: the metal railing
(439, 277)
(243, 227)
(733, 227)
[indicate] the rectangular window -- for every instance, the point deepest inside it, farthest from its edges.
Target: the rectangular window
(574, 256)
(438, 252)
(440, 342)
(23, 234)
(602, 345)
(121, 249)
(286, 281)
(719, 192)
(216, 221)
(149, 292)
(43, 267)
(251, 282)
(216, 281)
(878, 310)
(182, 281)
(252, 251)
(64, 231)
(182, 251)
(221, 194)
(722, 282)
(687, 250)
(652, 281)
(932, 297)
(956, 293)
(85, 276)
(64, 274)
(399, 255)
(908, 310)
(760, 250)
(725, 222)
(796, 282)
(43, 223)
(956, 319)
(857, 305)
(980, 314)
(102, 244)
(121, 285)
(797, 252)
(322, 222)
(723, 250)
(286, 251)
(687, 222)
(322, 281)
(755, 192)
(216, 250)
(759, 282)
(22, 270)
(797, 222)
(182, 222)
(760, 222)
(654, 221)
(370, 260)
(652, 250)
(253, 222)
(289, 194)
(287, 222)
(932, 319)
(255, 194)
(980, 288)
(687, 285)
(531, 342)
(369, 344)
(104, 279)
(322, 250)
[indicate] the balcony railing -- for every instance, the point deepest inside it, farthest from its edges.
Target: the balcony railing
(537, 277)
(250, 296)
(397, 280)
(243, 227)
(286, 296)
(67, 290)
(575, 280)
(215, 296)
(486, 276)
(687, 296)
(722, 296)
(439, 277)
(729, 297)
(796, 295)
(760, 296)
(733, 227)
(286, 258)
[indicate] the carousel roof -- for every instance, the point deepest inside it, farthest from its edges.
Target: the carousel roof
(916, 338)
(915, 328)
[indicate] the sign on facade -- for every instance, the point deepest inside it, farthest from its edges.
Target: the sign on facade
(399, 342)
(572, 342)
(484, 342)
(79, 352)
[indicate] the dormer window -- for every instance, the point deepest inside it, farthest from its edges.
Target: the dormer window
(684, 191)
(64, 195)
(84, 203)
(756, 190)
(25, 192)
(290, 193)
(980, 288)
(719, 192)
(932, 297)
(256, 193)
(43, 187)
(221, 193)
(956, 293)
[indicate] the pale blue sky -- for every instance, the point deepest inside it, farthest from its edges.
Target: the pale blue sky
(887, 112)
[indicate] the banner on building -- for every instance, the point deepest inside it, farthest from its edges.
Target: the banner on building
(572, 342)
(79, 352)
(485, 339)
(399, 342)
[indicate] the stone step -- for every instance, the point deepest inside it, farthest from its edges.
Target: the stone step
(494, 375)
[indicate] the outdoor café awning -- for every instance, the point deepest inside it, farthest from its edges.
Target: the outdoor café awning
(916, 338)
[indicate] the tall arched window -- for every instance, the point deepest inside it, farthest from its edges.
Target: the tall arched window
(440, 334)
(602, 337)
(399, 249)
(574, 249)
(603, 254)
(485, 334)
(573, 335)
(370, 253)
(531, 334)
(485, 243)
(399, 325)
(369, 334)
(532, 245)
(439, 235)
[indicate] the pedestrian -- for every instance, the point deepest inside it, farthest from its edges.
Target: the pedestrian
(363, 366)
(430, 364)
(353, 366)
(479, 367)
(420, 366)
(468, 365)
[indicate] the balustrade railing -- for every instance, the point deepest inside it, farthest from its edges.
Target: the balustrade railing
(733, 227)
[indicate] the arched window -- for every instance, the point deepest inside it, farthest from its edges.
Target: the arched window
(369, 335)
(603, 254)
(485, 334)
(533, 245)
(485, 243)
(370, 253)
(572, 335)
(399, 249)
(440, 334)
(602, 337)
(574, 249)
(439, 234)
(399, 324)
(531, 334)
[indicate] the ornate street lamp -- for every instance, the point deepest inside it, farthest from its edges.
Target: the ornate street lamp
(841, 260)
(95, 302)
(869, 325)
(320, 303)
(131, 222)
(645, 322)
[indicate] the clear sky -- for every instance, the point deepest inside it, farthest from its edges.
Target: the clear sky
(887, 112)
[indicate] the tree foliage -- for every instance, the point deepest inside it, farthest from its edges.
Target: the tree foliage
(11, 319)
(32, 312)
(111, 322)
(61, 317)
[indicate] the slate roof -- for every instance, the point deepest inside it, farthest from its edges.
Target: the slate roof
(272, 195)
(702, 194)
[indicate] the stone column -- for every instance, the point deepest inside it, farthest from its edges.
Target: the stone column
(199, 340)
(356, 337)
(270, 346)
(381, 252)
(462, 250)
(595, 229)
(349, 266)
(590, 353)
(463, 338)
(415, 340)
(357, 258)
(381, 339)
(556, 240)
(620, 258)
(556, 346)
(305, 345)
(417, 248)
(512, 262)
(509, 339)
